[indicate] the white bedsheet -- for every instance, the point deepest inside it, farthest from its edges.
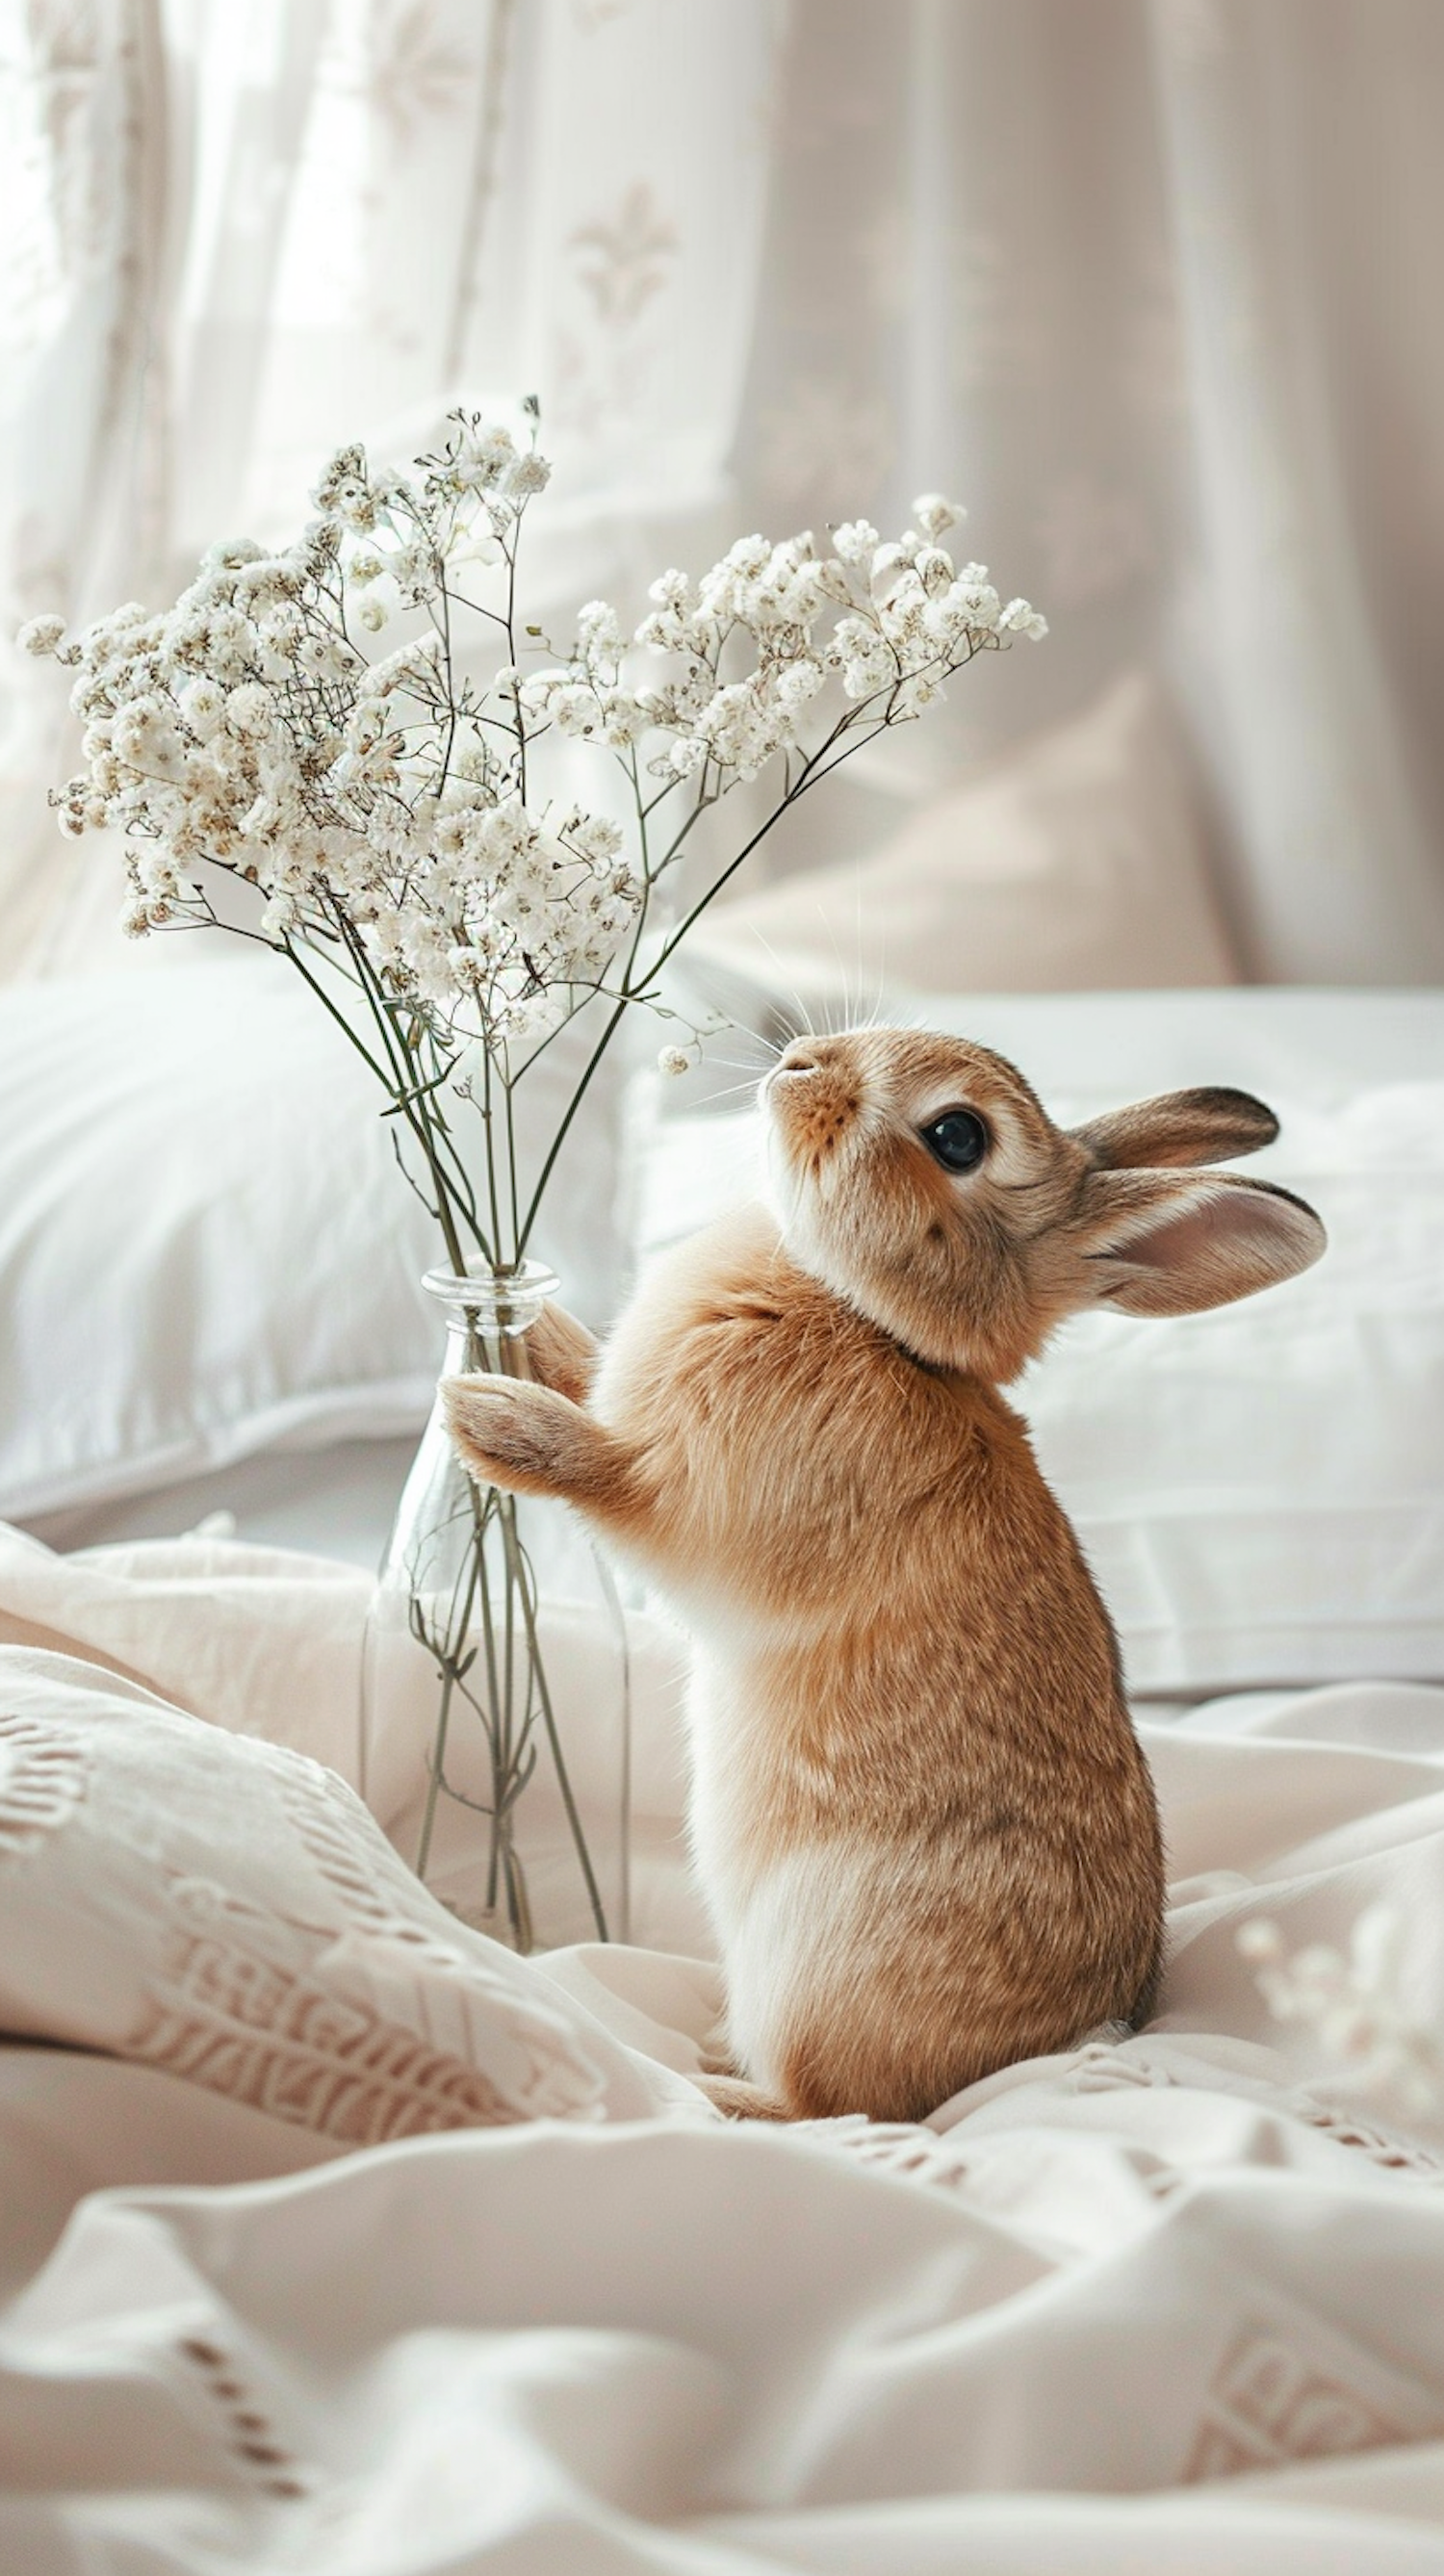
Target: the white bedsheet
(1177, 2302)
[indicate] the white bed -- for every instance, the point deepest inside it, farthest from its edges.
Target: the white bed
(1174, 2301)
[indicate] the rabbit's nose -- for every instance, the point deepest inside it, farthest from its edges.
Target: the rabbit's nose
(802, 1056)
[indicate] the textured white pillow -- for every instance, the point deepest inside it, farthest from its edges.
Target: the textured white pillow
(1077, 859)
(228, 1911)
(205, 1244)
(1260, 1490)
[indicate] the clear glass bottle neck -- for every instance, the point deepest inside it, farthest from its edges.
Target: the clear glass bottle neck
(492, 1304)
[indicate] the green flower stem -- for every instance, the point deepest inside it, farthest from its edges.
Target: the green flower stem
(807, 777)
(528, 1612)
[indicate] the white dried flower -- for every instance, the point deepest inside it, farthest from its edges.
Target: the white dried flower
(248, 712)
(41, 636)
(1020, 617)
(529, 474)
(244, 727)
(674, 1061)
(1358, 2005)
(227, 554)
(935, 515)
(486, 451)
(799, 683)
(624, 718)
(976, 604)
(597, 836)
(203, 705)
(344, 490)
(855, 541)
(412, 667)
(599, 632)
(415, 569)
(665, 631)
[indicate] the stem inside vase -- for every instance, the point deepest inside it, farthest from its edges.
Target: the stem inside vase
(463, 1567)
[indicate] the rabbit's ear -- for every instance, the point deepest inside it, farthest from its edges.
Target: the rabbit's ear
(1159, 1246)
(1182, 1127)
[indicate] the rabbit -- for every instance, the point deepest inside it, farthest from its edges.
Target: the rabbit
(920, 1816)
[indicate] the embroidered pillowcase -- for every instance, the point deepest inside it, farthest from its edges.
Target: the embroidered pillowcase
(227, 1910)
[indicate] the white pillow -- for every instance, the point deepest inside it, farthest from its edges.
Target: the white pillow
(228, 1911)
(1077, 859)
(205, 1245)
(1260, 1490)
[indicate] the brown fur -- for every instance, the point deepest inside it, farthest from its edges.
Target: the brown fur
(920, 1812)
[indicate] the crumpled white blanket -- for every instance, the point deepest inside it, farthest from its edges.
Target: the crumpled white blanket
(1177, 2302)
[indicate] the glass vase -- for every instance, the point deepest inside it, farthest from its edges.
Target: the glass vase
(496, 1701)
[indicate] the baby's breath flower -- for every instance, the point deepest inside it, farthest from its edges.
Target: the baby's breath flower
(597, 836)
(41, 635)
(800, 681)
(408, 803)
(248, 711)
(599, 631)
(665, 631)
(1021, 618)
(486, 454)
(624, 718)
(203, 705)
(227, 554)
(855, 540)
(413, 666)
(674, 1061)
(343, 487)
(935, 515)
(1357, 2004)
(529, 474)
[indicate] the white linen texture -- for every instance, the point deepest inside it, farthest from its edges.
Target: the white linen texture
(1175, 2300)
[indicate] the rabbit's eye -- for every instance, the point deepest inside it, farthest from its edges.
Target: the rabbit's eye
(958, 1140)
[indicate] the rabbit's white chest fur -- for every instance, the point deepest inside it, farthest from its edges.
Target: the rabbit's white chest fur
(784, 1920)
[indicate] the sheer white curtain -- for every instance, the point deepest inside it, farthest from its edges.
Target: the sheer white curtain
(241, 231)
(1150, 283)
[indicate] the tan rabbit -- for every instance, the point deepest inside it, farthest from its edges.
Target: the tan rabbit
(920, 1815)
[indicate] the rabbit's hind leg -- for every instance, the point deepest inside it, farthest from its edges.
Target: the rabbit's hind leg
(740, 2100)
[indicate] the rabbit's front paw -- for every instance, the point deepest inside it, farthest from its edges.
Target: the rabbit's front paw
(509, 1432)
(563, 1354)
